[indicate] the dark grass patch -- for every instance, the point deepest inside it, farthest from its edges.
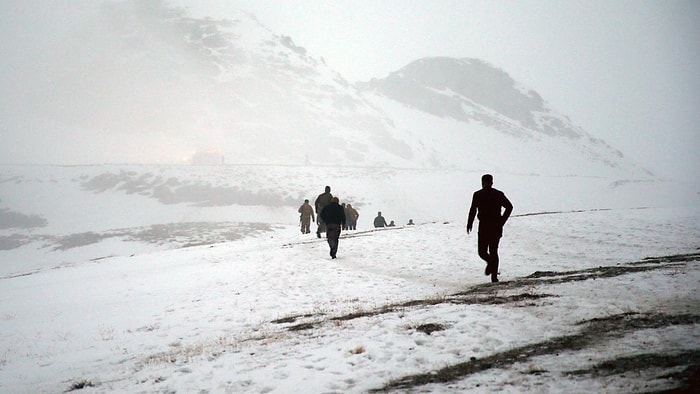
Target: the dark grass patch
(79, 385)
(668, 259)
(176, 234)
(688, 381)
(302, 327)
(592, 273)
(639, 362)
(603, 272)
(172, 190)
(10, 219)
(498, 300)
(360, 314)
(488, 300)
(594, 331)
(486, 294)
(292, 319)
(13, 241)
(430, 328)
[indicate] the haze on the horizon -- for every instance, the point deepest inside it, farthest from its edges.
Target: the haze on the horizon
(68, 73)
(625, 71)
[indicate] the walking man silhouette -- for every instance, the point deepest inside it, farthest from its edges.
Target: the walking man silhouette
(486, 205)
(333, 216)
(322, 200)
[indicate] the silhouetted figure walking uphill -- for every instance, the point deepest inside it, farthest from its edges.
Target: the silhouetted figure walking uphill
(333, 216)
(488, 203)
(322, 200)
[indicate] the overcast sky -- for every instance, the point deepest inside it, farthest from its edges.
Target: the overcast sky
(626, 71)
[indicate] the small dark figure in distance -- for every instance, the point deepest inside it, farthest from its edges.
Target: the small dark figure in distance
(391, 224)
(333, 216)
(410, 222)
(379, 221)
(488, 202)
(322, 200)
(306, 216)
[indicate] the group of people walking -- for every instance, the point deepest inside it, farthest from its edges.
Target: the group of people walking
(306, 214)
(332, 218)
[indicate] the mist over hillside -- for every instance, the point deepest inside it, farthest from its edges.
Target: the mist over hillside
(144, 82)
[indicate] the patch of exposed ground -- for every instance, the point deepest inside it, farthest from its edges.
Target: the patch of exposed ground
(678, 369)
(490, 293)
(10, 219)
(175, 191)
(176, 234)
(688, 378)
(593, 332)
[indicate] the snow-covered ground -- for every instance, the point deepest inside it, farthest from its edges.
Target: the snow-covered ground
(401, 309)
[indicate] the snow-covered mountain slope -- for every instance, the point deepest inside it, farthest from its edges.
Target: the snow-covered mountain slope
(143, 82)
(499, 122)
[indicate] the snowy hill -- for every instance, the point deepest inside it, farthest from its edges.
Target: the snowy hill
(142, 82)
(577, 310)
(55, 214)
(504, 122)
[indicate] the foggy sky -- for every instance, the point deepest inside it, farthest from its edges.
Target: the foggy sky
(626, 71)
(76, 91)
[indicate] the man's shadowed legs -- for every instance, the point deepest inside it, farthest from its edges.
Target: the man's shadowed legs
(488, 251)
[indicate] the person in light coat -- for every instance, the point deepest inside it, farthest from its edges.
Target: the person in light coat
(306, 216)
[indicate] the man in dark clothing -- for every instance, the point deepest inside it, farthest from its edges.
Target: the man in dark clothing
(333, 216)
(488, 202)
(322, 200)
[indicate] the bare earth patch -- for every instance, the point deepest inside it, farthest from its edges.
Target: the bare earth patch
(685, 365)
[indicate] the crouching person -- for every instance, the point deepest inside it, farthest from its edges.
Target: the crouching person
(333, 216)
